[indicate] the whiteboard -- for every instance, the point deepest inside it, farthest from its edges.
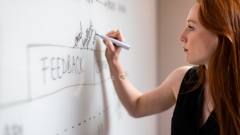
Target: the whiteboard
(54, 77)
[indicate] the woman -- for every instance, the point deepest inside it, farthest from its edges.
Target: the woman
(207, 96)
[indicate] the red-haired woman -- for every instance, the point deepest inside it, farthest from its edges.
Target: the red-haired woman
(207, 96)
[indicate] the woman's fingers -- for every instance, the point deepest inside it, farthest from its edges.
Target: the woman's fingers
(120, 36)
(116, 35)
(112, 51)
(111, 32)
(109, 44)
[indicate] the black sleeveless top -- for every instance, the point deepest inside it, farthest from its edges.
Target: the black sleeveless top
(188, 110)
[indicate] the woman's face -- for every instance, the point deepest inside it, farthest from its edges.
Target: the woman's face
(199, 43)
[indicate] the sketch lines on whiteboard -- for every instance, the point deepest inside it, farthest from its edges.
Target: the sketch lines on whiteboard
(15, 129)
(88, 37)
(85, 41)
(104, 3)
(78, 37)
(110, 5)
(12, 104)
(89, 1)
(113, 5)
(100, 127)
(52, 66)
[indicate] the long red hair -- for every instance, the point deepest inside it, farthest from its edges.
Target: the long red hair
(222, 17)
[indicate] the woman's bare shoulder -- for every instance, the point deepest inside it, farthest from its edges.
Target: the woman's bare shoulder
(181, 70)
(176, 77)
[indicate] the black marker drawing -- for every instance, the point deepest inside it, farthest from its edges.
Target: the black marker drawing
(122, 8)
(100, 127)
(111, 5)
(88, 37)
(95, 38)
(52, 68)
(89, 1)
(104, 3)
(78, 37)
(44, 68)
(13, 130)
(74, 65)
(70, 65)
(100, 66)
(58, 67)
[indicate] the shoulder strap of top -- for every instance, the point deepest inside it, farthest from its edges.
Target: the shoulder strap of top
(189, 81)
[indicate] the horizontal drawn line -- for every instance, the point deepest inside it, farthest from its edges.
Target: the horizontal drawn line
(37, 98)
(87, 49)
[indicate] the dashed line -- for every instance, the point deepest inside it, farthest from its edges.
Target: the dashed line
(79, 124)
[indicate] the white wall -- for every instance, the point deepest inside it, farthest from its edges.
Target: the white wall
(172, 19)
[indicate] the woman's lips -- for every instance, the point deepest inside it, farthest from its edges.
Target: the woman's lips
(185, 50)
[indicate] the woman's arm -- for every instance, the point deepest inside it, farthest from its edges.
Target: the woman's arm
(136, 103)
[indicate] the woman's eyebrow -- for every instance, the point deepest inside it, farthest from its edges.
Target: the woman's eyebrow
(191, 21)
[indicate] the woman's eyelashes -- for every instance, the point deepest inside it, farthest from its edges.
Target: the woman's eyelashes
(190, 27)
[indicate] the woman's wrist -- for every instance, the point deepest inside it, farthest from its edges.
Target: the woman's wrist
(113, 62)
(116, 68)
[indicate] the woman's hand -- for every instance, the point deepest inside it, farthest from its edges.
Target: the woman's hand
(113, 51)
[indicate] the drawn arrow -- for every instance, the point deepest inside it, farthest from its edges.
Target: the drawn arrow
(104, 3)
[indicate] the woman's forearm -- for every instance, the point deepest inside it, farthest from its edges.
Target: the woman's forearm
(127, 93)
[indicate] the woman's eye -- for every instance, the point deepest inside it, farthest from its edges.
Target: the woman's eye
(190, 27)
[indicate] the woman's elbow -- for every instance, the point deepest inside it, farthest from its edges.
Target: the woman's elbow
(135, 114)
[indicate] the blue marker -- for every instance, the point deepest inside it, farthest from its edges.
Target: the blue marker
(116, 42)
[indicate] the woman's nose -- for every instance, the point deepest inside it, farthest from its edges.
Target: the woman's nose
(182, 37)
